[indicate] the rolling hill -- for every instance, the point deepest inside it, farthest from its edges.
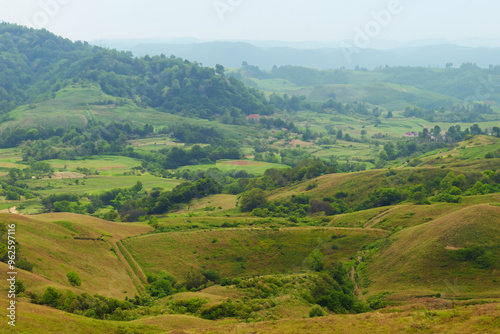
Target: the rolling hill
(422, 260)
(150, 203)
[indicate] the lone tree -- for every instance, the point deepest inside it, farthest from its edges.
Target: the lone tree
(252, 199)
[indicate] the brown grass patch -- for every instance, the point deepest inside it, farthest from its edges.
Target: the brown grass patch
(67, 175)
(241, 163)
(301, 143)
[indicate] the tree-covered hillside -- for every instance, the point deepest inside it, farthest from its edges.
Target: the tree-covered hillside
(36, 63)
(437, 87)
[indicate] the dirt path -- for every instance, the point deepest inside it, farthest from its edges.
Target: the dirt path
(14, 211)
(376, 219)
(134, 271)
(357, 290)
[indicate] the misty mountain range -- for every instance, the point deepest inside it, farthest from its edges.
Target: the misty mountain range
(267, 54)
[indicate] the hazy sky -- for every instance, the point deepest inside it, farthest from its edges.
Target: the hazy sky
(287, 20)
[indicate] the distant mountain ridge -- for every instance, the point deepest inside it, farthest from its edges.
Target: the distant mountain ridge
(232, 54)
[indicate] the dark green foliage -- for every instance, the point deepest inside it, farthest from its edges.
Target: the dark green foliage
(195, 279)
(12, 196)
(377, 302)
(33, 68)
(334, 290)
(191, 306)
(212, 275)
(97, 306)
(252, 199)
(5, 256)
(458, 113)
(316, 258)
(73, 278)
(224, 310)
(51, 297)
(161, 284)
(384, 197)
(20, 286)
(317, 311)
(478, 255)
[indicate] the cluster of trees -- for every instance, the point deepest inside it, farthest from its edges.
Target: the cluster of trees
(458, 113)
(429, 140)
(448, 188)
(97, 306)
(14, 185)
(193, 134)
(14, 257)
(93, 139)
(157, 162)
(306, 169)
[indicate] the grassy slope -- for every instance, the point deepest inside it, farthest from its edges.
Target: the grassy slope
(244, 252)
(435, 316)
(470, 151)
(48, 242)
(421, 259)
(75, 105)
(387, 95)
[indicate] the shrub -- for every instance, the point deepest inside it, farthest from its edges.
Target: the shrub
(252, 199)
(317, 311)
(316, 258)
(187, 306)
(73, 278)
(161, 284)
(212, 275)
(376, 302)
(478, 255)
(195, 279)
(224, 310)
(12, 196)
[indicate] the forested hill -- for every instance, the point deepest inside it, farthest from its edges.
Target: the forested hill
(36, 63)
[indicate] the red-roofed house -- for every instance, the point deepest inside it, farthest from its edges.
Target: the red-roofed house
(253, 117)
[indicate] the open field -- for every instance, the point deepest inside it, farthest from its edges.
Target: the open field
(96, 184)
(250, 166)
(154, 144)
(103, 164)
(10, 158)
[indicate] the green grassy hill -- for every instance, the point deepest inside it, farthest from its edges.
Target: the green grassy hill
(422, 260)
(58, 243)
(245, 252)
(80, 103)
(387, 95)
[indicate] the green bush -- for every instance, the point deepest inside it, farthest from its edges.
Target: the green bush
(73, 278)
(316, 258)
(478, 255)
(212, 275)
(317, 311)
(224, 310)
(376, 302)
(161, 284)
(187, 306)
